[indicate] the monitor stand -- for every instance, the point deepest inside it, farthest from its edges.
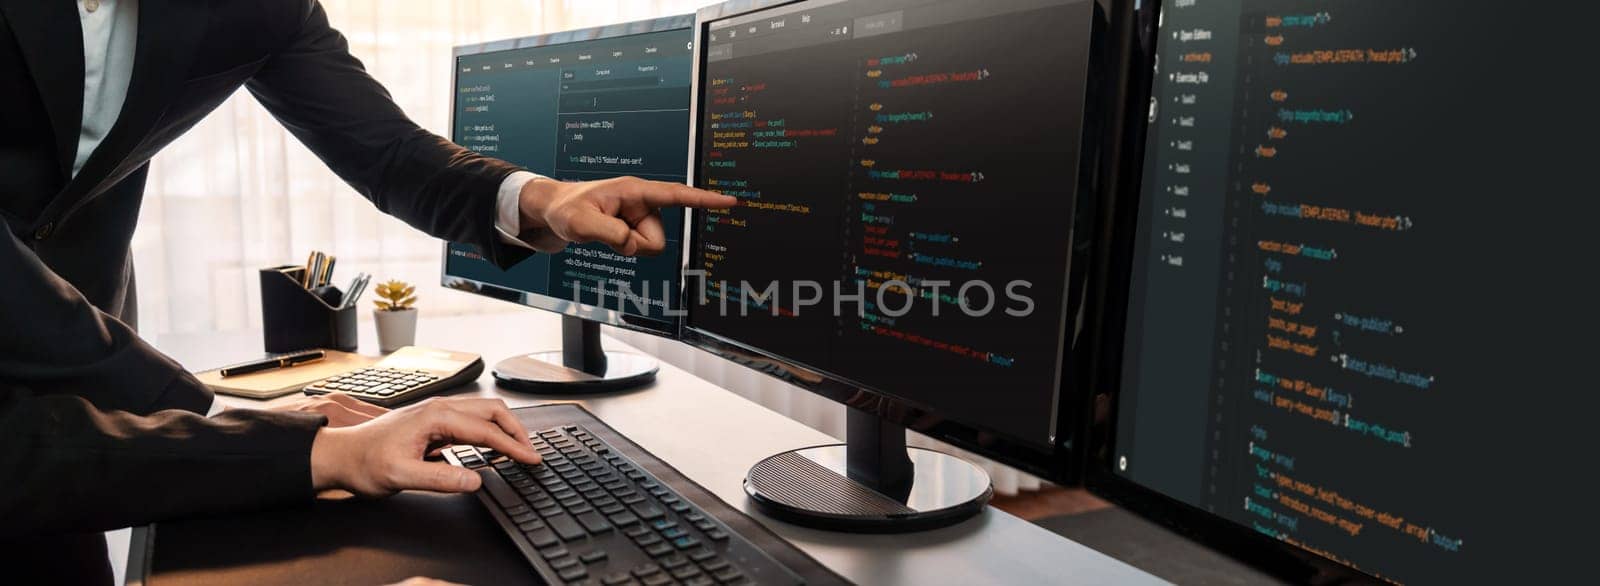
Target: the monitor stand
(871, 484)
(580, 366)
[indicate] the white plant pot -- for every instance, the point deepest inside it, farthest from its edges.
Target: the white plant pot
(396, 329)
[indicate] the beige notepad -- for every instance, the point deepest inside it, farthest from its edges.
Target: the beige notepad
(282, 381)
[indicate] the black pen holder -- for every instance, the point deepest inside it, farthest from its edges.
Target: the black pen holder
(295, 318)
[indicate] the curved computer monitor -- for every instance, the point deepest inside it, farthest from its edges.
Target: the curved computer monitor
(576, 105)
(912, 178)
(1329, 305)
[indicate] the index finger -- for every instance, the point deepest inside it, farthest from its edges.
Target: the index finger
(496, 411)
(461, 426)
(660, 194)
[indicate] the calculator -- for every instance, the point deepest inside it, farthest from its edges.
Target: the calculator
(408, 374)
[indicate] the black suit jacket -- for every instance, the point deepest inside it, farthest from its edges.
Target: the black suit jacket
(99, 429)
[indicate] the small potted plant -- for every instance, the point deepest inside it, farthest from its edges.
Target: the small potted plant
(395, 316)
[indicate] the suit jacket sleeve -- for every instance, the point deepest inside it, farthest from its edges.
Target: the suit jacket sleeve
(69, 467)
(317, 89)
(55, 340)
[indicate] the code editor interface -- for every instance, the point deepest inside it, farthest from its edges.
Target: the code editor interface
(580, 111)
(1344, 332)
(920, 156)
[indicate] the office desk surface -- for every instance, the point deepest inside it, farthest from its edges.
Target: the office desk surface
(713, 437)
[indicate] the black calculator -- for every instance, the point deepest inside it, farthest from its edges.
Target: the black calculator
(408, 374)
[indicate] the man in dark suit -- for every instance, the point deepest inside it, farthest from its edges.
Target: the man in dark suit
(99, 429)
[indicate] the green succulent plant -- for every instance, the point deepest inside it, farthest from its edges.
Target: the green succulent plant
(395, 296)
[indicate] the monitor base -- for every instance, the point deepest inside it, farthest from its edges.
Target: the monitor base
(580, 366)
(874, 484)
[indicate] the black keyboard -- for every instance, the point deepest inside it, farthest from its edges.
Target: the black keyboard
(589, 515)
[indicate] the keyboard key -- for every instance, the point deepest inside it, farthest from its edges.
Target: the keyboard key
(553, 553)
(515, 510)
(549, 511)
(530, 525)
(728, 575)
(658, 580)
(615, 579)
(523, 517)
(680, 507)
(674, 533)
(565, 527)
(663, 524)
(702, 554)
(647, 570)
(637, 531)
(717, 535)
(621, 519)
(594, 522)
(714, 565)
(580, 508)
(700, 581)
(673, 562)
(658, 550)
(647, 539)
(610, 508)
(563, 563)
(542, 538)
(685, 572)
(573, 573)
(593, 556)
(646, 510)
(631, 498)
(685, 542)
(705, 525)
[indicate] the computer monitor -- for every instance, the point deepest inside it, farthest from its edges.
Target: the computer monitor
(580, 105)
(1343, 339)
(910, 175)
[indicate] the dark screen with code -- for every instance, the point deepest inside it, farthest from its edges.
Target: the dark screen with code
(916, 161)
(576, 111)
(1345, 330)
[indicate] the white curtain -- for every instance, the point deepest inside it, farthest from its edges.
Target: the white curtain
(238, 193)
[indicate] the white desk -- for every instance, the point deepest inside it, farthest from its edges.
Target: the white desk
(714, 436)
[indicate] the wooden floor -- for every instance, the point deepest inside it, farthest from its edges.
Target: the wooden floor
(1049, 501)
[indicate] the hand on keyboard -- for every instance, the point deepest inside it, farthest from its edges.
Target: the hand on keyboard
(385, 455)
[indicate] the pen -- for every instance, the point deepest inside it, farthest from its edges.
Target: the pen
(327, 271)
(305, 278)
(315, 270)
(350, 291)
(357, 287)
(272, 363)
